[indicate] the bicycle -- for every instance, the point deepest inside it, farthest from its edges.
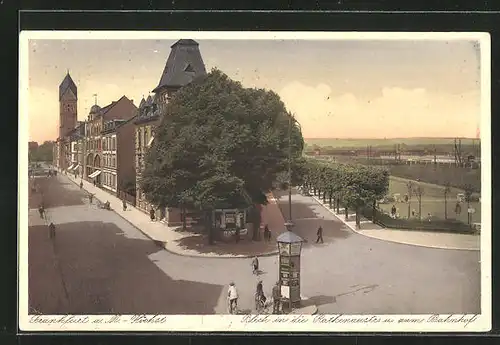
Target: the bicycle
(262, 304)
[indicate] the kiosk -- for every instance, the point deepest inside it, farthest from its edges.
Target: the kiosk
(289, 246)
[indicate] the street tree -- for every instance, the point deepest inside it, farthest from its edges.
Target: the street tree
(468, 190)
(419, 192)
(409, 192)
(220, 145)
(446, 191)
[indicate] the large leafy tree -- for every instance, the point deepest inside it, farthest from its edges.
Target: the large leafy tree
(42, 153)
(220, 145)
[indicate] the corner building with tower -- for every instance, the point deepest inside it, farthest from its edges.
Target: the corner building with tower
(184, 64)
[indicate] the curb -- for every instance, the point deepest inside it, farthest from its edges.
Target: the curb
(389, 240)
(313, 307)
(178, 253)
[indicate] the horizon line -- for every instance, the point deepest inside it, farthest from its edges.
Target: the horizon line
(388, 138)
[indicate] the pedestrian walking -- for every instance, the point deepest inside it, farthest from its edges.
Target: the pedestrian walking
(237, 234)
(232, 296)
(276, 298)
(267, 233)
(319, 233)
(81, 184)
(52, 230)
(91, 196)
(41, 210)
(124, 203)
(152, 214)
(393, 211)
(255, 265)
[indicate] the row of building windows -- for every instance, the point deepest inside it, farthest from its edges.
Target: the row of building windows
(109, 180)
(109, 143)
(94, 129)
(93, 144)
(106, 143)
(110, 160)
(142, 136)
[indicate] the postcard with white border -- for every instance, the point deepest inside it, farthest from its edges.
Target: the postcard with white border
(254, 181)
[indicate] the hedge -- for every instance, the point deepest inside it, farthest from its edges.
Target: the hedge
(442, 225)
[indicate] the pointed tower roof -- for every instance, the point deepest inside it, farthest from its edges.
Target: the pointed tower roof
(66, 84)
(183, 65)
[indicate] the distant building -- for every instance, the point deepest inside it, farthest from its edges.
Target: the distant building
(76, 153)
(184, 64)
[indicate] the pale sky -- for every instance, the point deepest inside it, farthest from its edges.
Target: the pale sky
(337, 89)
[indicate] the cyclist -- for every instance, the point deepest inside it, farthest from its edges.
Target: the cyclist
(260, 298)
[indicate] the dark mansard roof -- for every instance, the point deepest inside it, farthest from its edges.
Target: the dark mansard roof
(184, 64)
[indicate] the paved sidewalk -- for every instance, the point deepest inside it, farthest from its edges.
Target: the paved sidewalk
(172, 238)
(411, 237)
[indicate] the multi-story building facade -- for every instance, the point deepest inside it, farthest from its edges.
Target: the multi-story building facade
(109, 149)
(77, 149)
(68, 99)
(183, 65)
(123, 109)
(147, 119)
(118, 171)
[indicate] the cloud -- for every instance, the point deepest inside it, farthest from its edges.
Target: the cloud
(396, 112)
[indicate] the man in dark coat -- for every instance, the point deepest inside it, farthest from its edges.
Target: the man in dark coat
(267, 233)
(52, 230)
(152, 214)
(320, 234)
(41, 210)
(255, 265)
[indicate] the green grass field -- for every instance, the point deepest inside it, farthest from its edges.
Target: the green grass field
(432, 201)
(357, 143)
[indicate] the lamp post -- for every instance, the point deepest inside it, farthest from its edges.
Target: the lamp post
(290, 169)
(289, 247)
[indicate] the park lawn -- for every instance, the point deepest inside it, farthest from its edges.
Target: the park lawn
(432, 201)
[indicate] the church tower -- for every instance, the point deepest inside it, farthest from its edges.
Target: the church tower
(67, 106)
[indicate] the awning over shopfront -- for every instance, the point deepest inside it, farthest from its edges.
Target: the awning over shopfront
(95, 174)
(75, 166)
(150, 141)
(71, 167)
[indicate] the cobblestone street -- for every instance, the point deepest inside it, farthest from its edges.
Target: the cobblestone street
(100, 263)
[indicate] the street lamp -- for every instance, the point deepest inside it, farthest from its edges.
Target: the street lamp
(289, 247)
(291, 121)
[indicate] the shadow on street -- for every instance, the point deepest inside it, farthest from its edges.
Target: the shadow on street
(92, 268)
